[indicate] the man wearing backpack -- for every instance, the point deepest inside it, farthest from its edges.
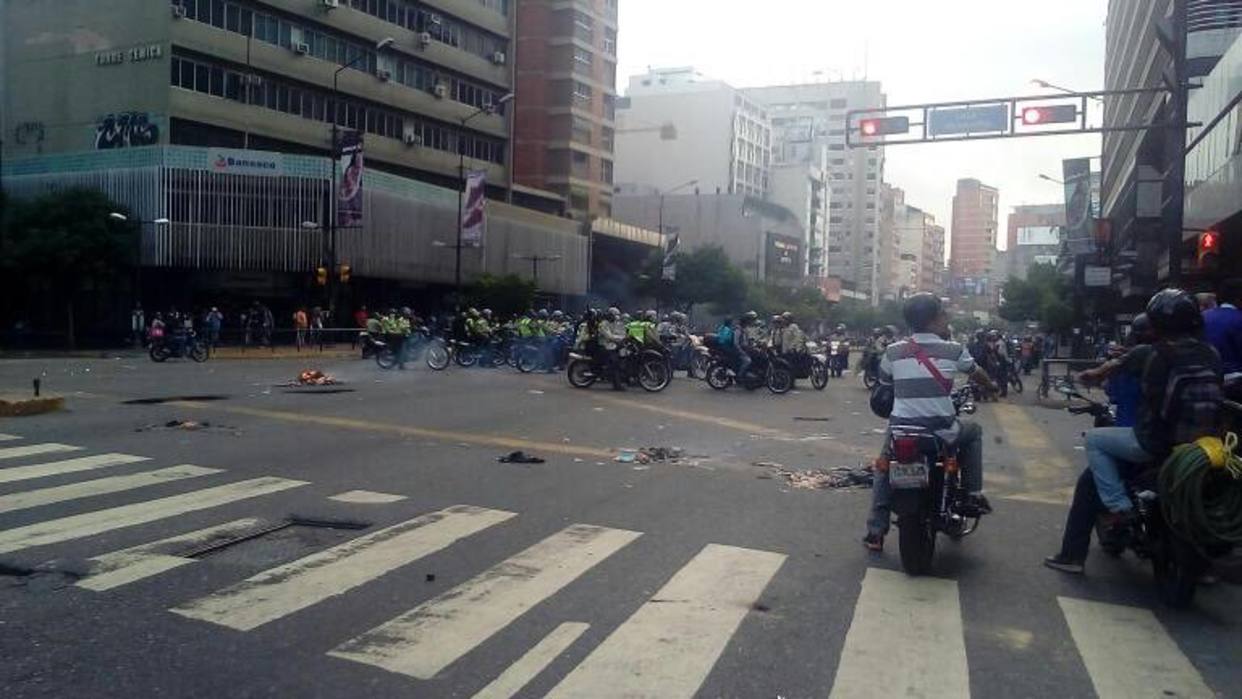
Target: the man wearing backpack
(1181, 398)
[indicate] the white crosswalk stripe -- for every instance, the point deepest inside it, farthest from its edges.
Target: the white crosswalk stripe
(129, 565)
(100, 486)
(8, 437)
(428, 638)
(35, 450)
(520, 673)
(667, 648)
(275, 593)
(57, 468)
(1128, 653)
(920, 616)
(91, 523)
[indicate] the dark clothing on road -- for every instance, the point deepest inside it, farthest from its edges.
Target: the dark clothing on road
(1085, 508)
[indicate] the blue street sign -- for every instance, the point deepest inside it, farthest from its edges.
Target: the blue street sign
(981, 119)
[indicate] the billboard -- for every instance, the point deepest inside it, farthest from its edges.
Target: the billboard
(474, 210)
(1039, 235)
(349, 192)
(1079, 208)
(783, 258)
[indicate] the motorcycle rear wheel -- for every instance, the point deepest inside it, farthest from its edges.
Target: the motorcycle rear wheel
(1015, 382)
(780, 380)
(579, 374)
(718, 376)
(159, 353)
(437, 357)
(870, 380)
(699, 364)
(654, 374)
(385, 358)
(199, 353)
(1177, 568)
(466, 357)
(917, 541)
(527, 360)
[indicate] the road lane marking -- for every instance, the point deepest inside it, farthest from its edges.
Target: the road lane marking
(533, 662)
(100, 486)
(905, 640)
(425, 640)
(471, 438)
(1056, 496)
(129, 565)
(56, 468)
(366, 497)
(668, 647)
(1129, 654)
(91, 523)
(294, 586)
(35, 449)
(8, 437)
(739, 425)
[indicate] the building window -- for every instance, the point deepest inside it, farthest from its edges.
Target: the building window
(583, 26)
(610, 107)
(836, 146)
(582, 61)
(582, 129)
(582, 93)
(610, 40)
(838, 104)
(607, 139)
(605, 171)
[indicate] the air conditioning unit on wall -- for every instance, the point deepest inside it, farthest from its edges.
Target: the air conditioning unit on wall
(411, 138)
(384, 74)
(301, 48)
(499, 58)
(178, 11)
(440, 90)
(424, 39)
(330, 4)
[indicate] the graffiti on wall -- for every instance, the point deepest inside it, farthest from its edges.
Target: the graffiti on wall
(126, 130)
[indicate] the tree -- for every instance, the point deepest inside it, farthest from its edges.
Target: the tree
(506, 296)
(60, 243)
(1042, 297)
(703, 276)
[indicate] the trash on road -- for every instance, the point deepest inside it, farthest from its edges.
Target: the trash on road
(187, 426)
(647, 455)
(803, 418)
(535, 392)
(821, 479)
(519, 457)
(314, 377)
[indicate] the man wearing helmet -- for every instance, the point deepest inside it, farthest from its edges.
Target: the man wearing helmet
(921, 398)
(744, 338)
(612, 334)
(1180, 402)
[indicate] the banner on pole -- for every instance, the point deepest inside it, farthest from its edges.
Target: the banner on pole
(473, 213)
(350, 169)
(669, 271)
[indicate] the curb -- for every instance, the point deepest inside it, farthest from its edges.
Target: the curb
(22, 407)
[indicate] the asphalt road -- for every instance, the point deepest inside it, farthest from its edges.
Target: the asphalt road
(219, 565)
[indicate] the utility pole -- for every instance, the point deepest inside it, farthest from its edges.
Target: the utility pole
(534, 261)
(1172, 36)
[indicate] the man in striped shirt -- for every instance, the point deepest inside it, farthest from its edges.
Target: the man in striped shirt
(921, 369)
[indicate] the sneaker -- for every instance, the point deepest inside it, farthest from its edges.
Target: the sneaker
(1065, 565)
(874, 543)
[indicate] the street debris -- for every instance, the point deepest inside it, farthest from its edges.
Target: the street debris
(187, 426)
(802, 418)
(820, 479)
(519, 457)
(535, 392)
(647, 455)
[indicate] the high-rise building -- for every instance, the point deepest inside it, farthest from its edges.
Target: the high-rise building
(1034, 237)
(809, 125)
(803, 189)
(975, 220)
(911, 247)
(676, 127)
(220, 116)
(931, 262)
(566, 100)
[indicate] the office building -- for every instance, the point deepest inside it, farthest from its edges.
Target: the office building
(803, 189)
(679, 129)
(973, 249)
(809, 126)
(1034, 237)
(566, 85)
(220, 115)
(911, 248)
(1139, 167)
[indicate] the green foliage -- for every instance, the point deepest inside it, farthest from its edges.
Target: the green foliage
(703, 276)
(1043, 296)
(506, 295)
(60, 243)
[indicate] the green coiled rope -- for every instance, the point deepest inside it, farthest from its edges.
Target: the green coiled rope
(1202, 503)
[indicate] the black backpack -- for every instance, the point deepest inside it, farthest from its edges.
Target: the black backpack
(1190, 405)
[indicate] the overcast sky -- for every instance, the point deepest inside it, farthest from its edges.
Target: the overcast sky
(920, 50)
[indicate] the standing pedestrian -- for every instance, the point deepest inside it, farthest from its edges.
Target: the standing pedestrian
(300, 323)
(212, 322)
(268, 323)
(316, 326)
(137, 324)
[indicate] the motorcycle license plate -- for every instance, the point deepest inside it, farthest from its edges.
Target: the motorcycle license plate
(906, 476)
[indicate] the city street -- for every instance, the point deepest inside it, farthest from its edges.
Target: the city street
(362, 540)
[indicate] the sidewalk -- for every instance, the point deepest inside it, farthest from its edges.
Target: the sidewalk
(219, 354)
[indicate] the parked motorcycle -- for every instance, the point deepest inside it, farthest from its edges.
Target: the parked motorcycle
(648, 368)
(442, 352)
(1177, 564)
(766, 369)
(928, 495)
(178, 346)
(809, 365)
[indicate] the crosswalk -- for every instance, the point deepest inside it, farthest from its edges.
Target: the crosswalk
(905, 636)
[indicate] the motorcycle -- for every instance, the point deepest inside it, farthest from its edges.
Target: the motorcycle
(871, 369)
(178, 347)
(838, 358)
(1177, 564)
(1015, 377)
(385, 352)
(440, 353)
(811, 364)
(684, 353)
(928, 494)
(766, 369)
(649, 368)
(536, 353)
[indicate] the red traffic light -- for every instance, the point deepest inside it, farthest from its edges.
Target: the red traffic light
(1209, 241)
(884, 126)
(1056, 114)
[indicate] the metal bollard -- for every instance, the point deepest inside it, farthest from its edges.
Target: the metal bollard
(37, 384)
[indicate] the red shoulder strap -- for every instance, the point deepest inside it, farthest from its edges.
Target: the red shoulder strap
(921, 355)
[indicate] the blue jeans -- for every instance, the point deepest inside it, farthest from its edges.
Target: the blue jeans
(970, 456)
(1111, 452)
(744, 361)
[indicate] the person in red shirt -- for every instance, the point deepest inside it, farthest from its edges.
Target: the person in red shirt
(360, 317)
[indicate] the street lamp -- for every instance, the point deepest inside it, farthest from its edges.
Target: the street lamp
(161, 221)
(534, 264)
(333, 157)
(1050, 86)
(461, 180)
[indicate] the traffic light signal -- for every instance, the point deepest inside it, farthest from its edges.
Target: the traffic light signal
(345, 272)
(321, 276)
(1056, 114)
(1209, 246)
(884, 126)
